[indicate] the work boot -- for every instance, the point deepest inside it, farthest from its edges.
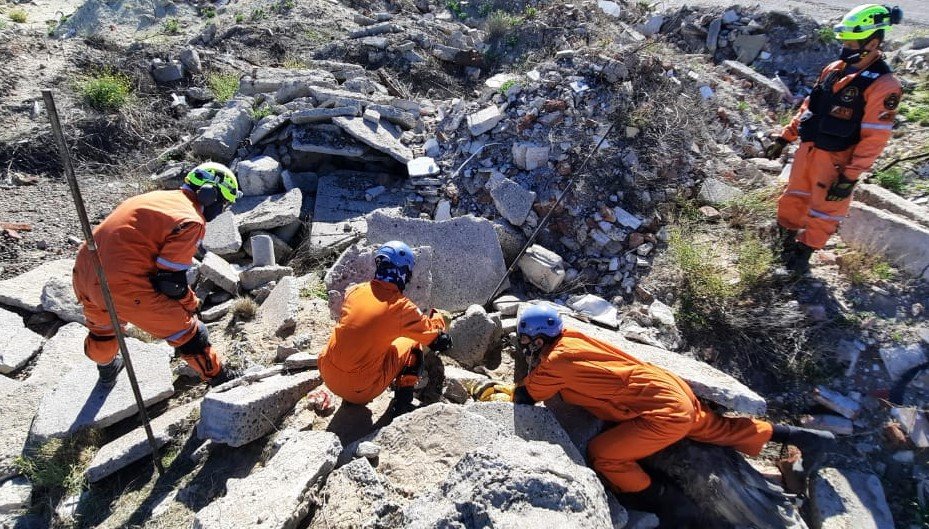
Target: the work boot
(226, 373)
(674, 508)
(813, 444)
(107, 373)
(787, 239)
(402, 402)
(798, 260)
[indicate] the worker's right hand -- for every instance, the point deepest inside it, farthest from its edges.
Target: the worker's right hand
(776, 148)
(442, 343)
(493, 391)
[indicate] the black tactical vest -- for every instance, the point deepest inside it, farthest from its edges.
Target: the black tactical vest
(833, 120)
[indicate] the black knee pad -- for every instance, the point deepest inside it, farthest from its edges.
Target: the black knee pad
(100, 338)
(197, 344)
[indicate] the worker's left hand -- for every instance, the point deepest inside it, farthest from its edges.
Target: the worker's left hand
(494, 391)
(442, 343)
(840, 189)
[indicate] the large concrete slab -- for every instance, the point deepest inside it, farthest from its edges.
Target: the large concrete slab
(239, 412)
(123, 451)
(267, 212)
(278, 313)
(356, 265)
(78, 402)
(706, 381)
(848, 499)
(383, 137)
(338, 217)
(25, 291)
(17, 343)
(902, 242)
(468, 262)
(279, 495)
(880, 198)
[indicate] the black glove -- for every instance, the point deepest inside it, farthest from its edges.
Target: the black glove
(171, 284)
(841, 188)
(774, 150)
(442, 343)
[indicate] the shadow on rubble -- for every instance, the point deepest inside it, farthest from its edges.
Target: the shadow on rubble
(182, 481)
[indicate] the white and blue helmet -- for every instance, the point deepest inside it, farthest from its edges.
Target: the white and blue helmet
(394, 262)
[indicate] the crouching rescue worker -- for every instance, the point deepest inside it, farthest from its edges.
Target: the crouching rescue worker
(146, 245)
(843, 126)
(378, 341)
(650, 408)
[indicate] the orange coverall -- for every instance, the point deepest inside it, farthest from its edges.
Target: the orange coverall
(654, 408)
(803, 206)
(154, 231)
(372, 343)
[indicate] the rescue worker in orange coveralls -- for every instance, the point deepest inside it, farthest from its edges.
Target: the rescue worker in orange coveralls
(650, 408)
(377, 342)
(146, 245)
(843, 126)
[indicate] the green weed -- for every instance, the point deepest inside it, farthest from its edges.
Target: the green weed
(261, 112)
(742, 106)
(531, 13)
(18, 15)
(505, 87)
(171, 26)
(60, 463)
(863, 268)
(755, 259)
(239, 18)
(891, 179)
(244, 309)
(223, 85)
(752, 207)
(259, 14)
(457, 9)
(284, 5)
(825, 34)
(702, 279)
(106, 92)
(315, 290)
(208, 12)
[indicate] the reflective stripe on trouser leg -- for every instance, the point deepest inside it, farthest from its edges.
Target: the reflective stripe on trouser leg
(794, 203)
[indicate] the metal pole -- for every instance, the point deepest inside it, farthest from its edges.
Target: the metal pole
(98, 266)
(549, 214)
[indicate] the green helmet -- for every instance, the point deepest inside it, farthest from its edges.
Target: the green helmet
(863, 21)
(215, 175)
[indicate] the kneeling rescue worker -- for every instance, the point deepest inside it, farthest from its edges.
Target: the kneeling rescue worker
(377, 342)
(843, 126)
(650, 408)
(146, 245)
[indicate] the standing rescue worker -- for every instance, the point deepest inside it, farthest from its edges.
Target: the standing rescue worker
(146, 245)
(377, 342)
(652, 408)
(843, 126)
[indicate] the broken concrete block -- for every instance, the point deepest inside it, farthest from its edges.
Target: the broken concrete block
(382, 137)
(848, 499)
(421, 167)
(276, 496)
(464, 243)
(15, 495)
(914, 422)
(484, 120)
(222, 235)
(58, 298)
(830, 423)
(717, 192)
(220, 272)
(25, 291)
(835, 401)
(338, 218)
(229, 128)
(473, 334)
(513, 201)
(543, 268)
(257, 276)
(78, 402)
(267, 212)
(123, 451)
(239, 414)
(18, 344)
(900, 240)
(278, 312)
(898, 359)
(262, 250)
(259, 176)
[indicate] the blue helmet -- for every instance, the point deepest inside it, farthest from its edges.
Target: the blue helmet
(536, 320)
(394, 262)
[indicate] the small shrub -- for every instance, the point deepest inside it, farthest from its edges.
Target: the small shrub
(223, 85)
(285, 5)
(18, 15)
(171, 26)
(261, 112)
(753, 207)
(862, 268)
(456, 8)
(208, 12)
(497, 25)
(742, 106)
(106, 92)
(60, 463)
(316, 290)
(825, 34)
(259, 14)
(916, 111)
(702, 279)
(891, 179)
(505, 87)
(244, 309)
(755, 259)
(239, 18)
(531, 13)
